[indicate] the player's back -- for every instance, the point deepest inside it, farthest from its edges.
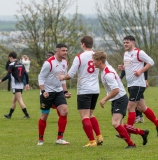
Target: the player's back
(17, 74)
(111, 80)
(87, 74)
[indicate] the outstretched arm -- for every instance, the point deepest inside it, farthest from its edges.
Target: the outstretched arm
(6, 77)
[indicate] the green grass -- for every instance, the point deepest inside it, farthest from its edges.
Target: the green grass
(18, 137)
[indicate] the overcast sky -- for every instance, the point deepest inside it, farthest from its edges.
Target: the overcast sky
(9, 7)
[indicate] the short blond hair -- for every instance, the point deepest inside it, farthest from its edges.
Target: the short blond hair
(99, 56)
(25, 56)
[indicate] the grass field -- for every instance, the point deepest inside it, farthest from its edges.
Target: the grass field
(19, 136)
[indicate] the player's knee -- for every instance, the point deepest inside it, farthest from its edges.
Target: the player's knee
(131, 109)
(115, 124)
(64, 112)
(44, 116)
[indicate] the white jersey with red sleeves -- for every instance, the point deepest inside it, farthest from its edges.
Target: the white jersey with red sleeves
(111, 80)
(50, 72)
(87, 74)
(134, 61)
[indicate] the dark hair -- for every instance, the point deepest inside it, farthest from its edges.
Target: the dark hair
(88, 41)
(60, 45)
(13, 55)
(131, 38)
(52, 53)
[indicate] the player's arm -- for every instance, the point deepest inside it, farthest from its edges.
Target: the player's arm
(65, 90)
(72, 71)
(42, 76)
(6, 77)
(64, 77)
(146, 73)
(27, 80)
(111, 95)
(122, 74)
(43, 73)
(144, 58)
(112, 83)
(27, 77)
(146, 77)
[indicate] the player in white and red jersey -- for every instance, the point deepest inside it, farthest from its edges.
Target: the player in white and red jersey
(139, 115)
(134, 60)
(52, 92)
(117, 95)
(87, 90)
(16, 71)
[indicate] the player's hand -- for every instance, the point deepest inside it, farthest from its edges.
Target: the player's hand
(27, 87)
(61, 77)
(102, 102)
(67, 95)
(137, 73)
(121, 67)
(147, 84)
(46, 94)
(0, 80)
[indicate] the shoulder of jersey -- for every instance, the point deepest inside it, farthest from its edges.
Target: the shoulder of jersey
(78, 54)
(109, 70)
(51, 58)
(136, 49)
(106, 70)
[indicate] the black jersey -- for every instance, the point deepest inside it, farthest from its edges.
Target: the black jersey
(17, 74)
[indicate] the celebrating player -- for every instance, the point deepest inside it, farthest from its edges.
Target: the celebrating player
(52, 92)
(134, 60)
(119, 100)
(87, 90)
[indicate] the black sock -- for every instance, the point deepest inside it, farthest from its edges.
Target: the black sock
(11, 111)
(25, 111)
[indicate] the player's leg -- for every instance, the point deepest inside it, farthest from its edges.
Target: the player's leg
(12, 107)
(116, 122)
(94, 120)
(148, 113)
(118, 110)
(42, 126)
(45, 105)
(139, 116)
(54, 107)
(84, 104)
(131, 112)
(18, 96)
(60, 102)
(135, 93)
(144, 133)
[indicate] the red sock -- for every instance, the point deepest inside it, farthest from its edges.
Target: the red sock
(41, 128)
(87, 126)
(151, 116)
(124, 134)
(95, 125)
(62, 121)
(131, 118)
(132, 129)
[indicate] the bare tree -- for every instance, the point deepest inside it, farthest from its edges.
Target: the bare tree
(42, 26)
(129, 17)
